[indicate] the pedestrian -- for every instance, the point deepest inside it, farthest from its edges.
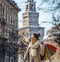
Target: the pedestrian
(34, 49)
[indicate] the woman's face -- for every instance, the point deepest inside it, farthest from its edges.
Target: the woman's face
(33, 40)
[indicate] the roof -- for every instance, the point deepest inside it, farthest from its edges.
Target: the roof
(14, 4)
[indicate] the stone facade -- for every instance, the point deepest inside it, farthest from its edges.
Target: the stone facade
(8, 31)
(9, 12)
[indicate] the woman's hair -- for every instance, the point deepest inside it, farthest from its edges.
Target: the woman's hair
(57, 40)
(36, 35)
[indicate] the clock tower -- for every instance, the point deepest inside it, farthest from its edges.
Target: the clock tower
(30, 20)
(30, 16)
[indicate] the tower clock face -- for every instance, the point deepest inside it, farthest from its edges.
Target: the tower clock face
(32, 6)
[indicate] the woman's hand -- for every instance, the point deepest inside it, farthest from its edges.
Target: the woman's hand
(25, 57)
(52, 57)
(26, 54)
(44, 43)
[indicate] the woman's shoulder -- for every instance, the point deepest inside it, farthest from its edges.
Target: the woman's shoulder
(38, 41)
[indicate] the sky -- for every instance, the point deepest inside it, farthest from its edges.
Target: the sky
(43, 16)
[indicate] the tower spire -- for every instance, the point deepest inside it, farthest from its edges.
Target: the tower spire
(30, 0)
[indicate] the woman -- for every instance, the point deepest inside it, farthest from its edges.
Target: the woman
(34, 49)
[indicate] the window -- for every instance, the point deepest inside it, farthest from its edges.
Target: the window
(6, 31)
(1, 59)
(11, 20)
(26, 7)
(11, 59)
(16, 59)
(7, 18)
(6, 59)
(7, 47)
(0, 10)
(32, 7)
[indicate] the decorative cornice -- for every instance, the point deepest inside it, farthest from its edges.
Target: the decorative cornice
(32, 27)
(14, 4)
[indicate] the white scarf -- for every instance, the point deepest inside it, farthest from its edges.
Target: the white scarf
(33, 48)
(35, 45)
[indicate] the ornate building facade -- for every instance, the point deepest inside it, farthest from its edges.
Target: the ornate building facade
(8, 31)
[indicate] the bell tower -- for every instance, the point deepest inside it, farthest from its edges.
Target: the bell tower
(30, 16)
(30, 20)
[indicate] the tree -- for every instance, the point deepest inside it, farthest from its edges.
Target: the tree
(55, 9)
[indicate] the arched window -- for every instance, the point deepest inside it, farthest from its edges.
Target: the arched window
(26, 7)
